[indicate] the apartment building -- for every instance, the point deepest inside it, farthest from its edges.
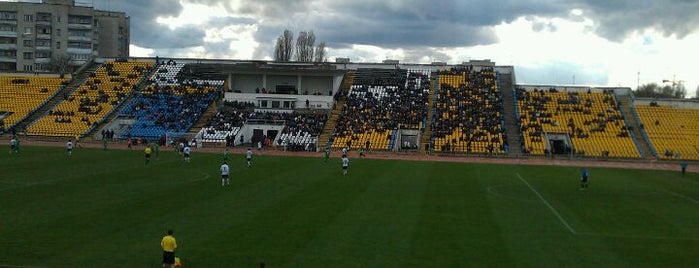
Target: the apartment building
(38, 36)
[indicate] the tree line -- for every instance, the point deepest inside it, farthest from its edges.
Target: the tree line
(653, 90)
(305, 49)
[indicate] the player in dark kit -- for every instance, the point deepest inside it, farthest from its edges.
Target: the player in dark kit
(584, 179)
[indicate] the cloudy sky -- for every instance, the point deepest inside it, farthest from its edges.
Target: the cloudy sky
(595, 42)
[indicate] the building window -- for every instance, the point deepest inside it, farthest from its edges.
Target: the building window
(27, 30)
(42, 43)
(8, 15)
(28, 68)
(58, 32)
(41, 66)
(28, 43)
(58, 44)
(28, 55)
(58, 18)
(43, 55)
(29, 18)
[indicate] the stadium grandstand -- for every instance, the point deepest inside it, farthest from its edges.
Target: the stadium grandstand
(671, 127)
(581, 121)
(468, 113)
(168, 103)
(456, 109)
(22, 95)
(87, 106)
(380, 102)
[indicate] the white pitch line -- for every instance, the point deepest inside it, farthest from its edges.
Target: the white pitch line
(681, 196)
(2, 265)
(648, 237)
(558, 215)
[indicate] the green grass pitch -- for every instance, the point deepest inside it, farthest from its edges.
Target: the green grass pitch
(107, 209)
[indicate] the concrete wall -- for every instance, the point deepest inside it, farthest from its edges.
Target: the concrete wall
(246, 83)
(315, 102)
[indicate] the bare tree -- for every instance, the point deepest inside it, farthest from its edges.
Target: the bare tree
(304, 46)
(284, 46)
(320, 52)
(696, 93)
(60, 62)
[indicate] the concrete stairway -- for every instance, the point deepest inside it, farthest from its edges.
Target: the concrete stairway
(511, 121)
(426, 135)
(115, 112)
(627, 111)
(201, 122)
(77, 80)
(327, 132)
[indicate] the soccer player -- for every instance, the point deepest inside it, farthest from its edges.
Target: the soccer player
(248, 157)
(361, 152)
(345, 164)
(186, 152)
(13, 144)
(169, 245)
(327, 154)
(344, 150)
(69, 147)
(683, 165)
(147, 152)
(17, 143)
(584, 178)
(225, 171)
(226, 155)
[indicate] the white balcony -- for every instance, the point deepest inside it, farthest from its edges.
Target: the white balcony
(42, 60)
(43, 48)
(8, 34)
(8, 46)
(80, 38)
(79, 26)
(7, 59)
(72, 50)
(43, 36)
(10, 22)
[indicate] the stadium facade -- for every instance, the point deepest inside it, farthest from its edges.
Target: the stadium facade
(32, 35)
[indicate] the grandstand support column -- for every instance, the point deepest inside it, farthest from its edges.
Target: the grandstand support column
(264, 81)
(511, 121)
(298, 84)
(229, 82)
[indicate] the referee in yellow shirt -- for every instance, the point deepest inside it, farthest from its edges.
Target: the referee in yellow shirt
(147, 151)
(169, 245)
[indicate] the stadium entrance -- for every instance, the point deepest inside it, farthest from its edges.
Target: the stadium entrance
(558, 144)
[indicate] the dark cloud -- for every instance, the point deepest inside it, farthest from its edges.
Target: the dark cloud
(146, 32)
(619, 18)
(406, 24)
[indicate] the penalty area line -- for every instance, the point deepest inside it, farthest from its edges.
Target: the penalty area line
(555, 212)
(681, 196)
